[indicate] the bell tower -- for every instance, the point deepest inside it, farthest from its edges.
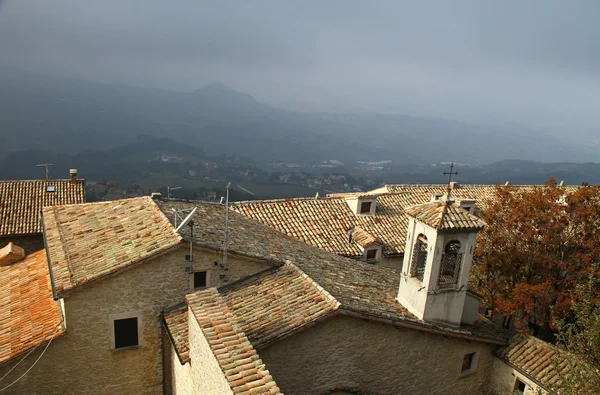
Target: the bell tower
(440, 240)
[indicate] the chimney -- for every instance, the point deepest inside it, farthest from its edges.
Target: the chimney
(436, 196)
(11, 254)
(506, 183)
(562, 184)
(454, 185)
(155, 195)
(73, 173)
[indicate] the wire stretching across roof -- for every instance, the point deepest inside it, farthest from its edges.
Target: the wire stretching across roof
(28, 313)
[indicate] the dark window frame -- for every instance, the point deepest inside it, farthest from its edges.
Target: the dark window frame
(371, 251)
(205, 279)
(362, 207)
(126, 332)
(467, 363)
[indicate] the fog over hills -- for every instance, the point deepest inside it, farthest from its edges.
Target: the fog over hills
(69, 116)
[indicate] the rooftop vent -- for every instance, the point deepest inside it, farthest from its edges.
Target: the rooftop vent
(10, 254)
(50, 188)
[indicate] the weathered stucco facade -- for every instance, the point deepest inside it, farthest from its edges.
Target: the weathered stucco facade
(351, 353)
(82, 361)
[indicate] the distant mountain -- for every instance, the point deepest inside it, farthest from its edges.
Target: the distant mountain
(67, 116)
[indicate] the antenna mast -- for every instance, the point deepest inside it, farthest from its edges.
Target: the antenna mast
(46, 164)
(169, 189)
(226, 229)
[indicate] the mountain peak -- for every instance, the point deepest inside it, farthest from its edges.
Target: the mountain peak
(220, 91)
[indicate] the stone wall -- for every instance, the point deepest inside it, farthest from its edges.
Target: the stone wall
(82, 361)
(504, 378)
(374, 358)
(30, 244)
(203, 374)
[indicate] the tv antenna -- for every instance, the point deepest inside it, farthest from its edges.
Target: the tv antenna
(169, 189)
(226, 244)
(46, 164)
(188, 221)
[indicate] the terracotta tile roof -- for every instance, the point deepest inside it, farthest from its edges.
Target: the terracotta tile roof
(239, 361)
(28, 313)
(362, 289)
(88, 241)
(444, 215)
(541, 361)
(22, 201)
(483, 194)
(323, 222)
(176, 322)
(363, 238)
(277, 302)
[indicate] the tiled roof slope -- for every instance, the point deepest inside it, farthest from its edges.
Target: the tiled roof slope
(483, 194)
(88, 241)
(176, 322)
(360, 288)
(362, 237)
(239, 361)
(444, 215)
(28, 313)
(277, 302)
(22, 201)
(541, 361)
(323, 222)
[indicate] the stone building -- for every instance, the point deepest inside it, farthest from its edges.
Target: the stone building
(362, 226)
(21, 203)
(131, 305)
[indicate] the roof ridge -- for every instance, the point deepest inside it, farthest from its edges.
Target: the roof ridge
(240, 202)
(312, 282)
(48, 180)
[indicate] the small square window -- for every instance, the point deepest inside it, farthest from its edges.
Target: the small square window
(199, 280)
(126, 332)
(520, 386)
(468, 362)
(50, 188)
(365, 207)
(371, 254)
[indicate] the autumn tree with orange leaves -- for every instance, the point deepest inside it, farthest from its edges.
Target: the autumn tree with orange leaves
(540, 243)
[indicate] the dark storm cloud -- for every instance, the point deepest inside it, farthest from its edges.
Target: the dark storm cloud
(532, 60)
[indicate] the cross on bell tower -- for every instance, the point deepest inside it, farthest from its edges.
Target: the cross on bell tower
(450, 174)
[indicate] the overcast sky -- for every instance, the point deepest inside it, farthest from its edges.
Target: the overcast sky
(536, 62)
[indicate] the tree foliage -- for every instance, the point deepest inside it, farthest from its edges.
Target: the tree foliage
(539, 244)
(580, 336)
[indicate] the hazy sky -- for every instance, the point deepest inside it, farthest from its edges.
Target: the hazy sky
(536, 62)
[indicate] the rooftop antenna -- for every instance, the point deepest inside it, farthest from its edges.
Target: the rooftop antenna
(226, 229)
(46, 164)
(188, 221)
(169, 189)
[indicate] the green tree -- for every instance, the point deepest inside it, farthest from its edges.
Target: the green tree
(580, 336)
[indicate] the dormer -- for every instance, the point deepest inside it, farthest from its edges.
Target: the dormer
(369, 245)
(440, 240)
(467, 204)
(363, 204)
